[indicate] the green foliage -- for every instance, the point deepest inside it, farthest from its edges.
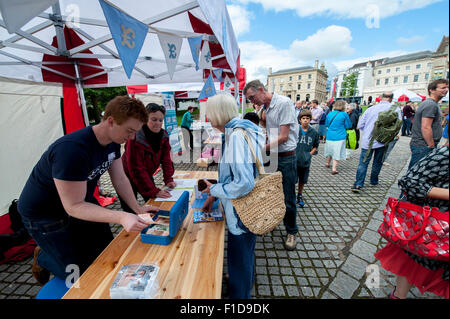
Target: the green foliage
(96, 100)
(349, 85)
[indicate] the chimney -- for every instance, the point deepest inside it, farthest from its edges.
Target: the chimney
(316, 64)
(270, 71)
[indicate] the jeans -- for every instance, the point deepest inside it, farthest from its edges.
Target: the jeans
(67, 241)
(406, 127)
(376, 166)
(417, 153)
(287, 165)
(241, 264)
(389, 149)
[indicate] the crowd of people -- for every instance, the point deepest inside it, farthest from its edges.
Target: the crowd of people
(60, 212)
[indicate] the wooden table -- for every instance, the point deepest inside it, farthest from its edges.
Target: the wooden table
(190, 267)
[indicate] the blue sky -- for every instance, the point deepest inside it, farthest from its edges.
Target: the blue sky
(290, 33)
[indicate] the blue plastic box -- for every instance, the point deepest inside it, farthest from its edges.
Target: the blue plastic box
(176, 215)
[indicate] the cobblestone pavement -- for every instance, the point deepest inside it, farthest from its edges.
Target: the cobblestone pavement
(336, 241)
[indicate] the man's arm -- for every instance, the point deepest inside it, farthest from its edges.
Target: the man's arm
(72, 195)
(427, 131)
(282, 138)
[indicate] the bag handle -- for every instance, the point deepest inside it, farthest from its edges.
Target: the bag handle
(259, 166)
(427, 213)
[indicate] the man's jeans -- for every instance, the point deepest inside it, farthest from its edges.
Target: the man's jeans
(287, 165)
(417, 153)
(406, 127)
(376, 166)
(66, 242)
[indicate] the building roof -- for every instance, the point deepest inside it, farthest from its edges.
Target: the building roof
(298, 69)
(363, 64)
(408, 57)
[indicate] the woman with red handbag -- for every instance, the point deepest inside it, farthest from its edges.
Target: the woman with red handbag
(425, 184)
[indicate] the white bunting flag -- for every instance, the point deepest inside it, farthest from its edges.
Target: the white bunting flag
(171, 46)
(227, 84)
(205, 61)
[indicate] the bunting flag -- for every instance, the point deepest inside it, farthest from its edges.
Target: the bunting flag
(208, 89)
(205, 61)
(227, 84)
(171, 46)
(218, 74)
(195, 44)
(127, 32)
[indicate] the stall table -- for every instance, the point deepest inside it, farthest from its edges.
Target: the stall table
(190, 267)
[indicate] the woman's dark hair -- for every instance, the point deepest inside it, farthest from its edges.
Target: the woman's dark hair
(252, 116)
(153, 107)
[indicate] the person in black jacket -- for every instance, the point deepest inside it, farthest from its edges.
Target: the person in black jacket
(307, 145)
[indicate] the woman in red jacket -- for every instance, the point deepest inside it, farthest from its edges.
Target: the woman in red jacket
(144, 154)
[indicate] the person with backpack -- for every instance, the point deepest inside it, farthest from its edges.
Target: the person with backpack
(378, 124)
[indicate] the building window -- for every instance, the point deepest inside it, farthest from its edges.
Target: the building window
(299, 86)
(416, 77)
(417, 66)
(386, 81)
(395, 79)
(309, 85)
(429, 65)
(405, 79)
(298, 97)
(408, 68)
(388, 71)
(281, 87)
(299, 77)
(379, 71)
(397, 69)
(290, 78)
(378, 82)
(307, 97)
(427, 75)
(309, 76)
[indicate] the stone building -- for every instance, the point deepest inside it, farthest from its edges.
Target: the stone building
(302, 83)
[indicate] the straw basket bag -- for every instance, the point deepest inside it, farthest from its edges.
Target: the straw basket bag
(263, 208)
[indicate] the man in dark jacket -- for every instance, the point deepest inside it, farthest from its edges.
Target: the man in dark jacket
(408, 114)
(353, 114)
(308, 142)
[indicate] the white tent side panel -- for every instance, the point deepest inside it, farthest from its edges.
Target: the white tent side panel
(30, 120)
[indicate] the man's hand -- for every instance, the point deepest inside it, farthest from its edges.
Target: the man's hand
(171, 185)
(133, 223)
(208, 186)
(207, 206)
(163, 194)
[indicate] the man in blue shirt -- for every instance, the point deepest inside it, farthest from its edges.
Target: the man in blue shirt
(186, 123)
(365, 125)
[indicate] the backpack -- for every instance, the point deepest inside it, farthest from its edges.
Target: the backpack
(385, 129)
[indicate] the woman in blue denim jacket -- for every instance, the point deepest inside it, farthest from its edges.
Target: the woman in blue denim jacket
(237, 172)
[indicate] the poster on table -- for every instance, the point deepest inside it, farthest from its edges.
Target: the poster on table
(170, 120)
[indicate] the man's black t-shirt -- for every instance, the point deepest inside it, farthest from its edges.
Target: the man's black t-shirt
(77, 156)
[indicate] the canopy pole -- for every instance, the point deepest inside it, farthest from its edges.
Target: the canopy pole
(79, 86)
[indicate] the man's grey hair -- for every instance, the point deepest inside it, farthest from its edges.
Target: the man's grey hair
(254, 85)
(387, 95)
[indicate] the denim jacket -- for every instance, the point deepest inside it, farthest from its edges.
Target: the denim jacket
(237, 170)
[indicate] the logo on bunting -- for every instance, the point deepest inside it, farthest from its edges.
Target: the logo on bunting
(195, 44)
(128, 34)
(205, 61)
(227, 84)
(171, 46)
(208, 89)
(218, 74)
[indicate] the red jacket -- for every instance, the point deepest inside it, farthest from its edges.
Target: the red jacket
(140, 162)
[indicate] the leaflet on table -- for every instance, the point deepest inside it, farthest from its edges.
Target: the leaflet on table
(185, 183)
(175, 195)
(212, 216)
(136, 281)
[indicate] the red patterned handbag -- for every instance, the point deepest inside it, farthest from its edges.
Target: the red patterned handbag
(422, 231)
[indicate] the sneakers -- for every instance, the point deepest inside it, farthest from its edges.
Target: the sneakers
(300, 201)
(356, 189)
(41, 274)
(291, 242)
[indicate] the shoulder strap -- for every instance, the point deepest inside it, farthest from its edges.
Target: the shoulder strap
(259, 166)
(334, 118)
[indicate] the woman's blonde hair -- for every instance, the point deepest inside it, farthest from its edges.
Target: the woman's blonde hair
(340, 105)
(221, 108)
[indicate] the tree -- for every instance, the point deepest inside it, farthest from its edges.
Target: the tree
(96, 100)
(349, 85)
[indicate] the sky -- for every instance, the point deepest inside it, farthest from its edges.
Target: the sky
(286, 34)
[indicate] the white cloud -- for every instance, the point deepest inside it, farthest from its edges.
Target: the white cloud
(405, 42)
(330, 42)
(343, 8)
(240, 19)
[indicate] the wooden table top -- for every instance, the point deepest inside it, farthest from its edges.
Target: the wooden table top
(190, 266)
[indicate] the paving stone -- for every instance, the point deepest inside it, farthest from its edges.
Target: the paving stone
(343, 285)
(355, 267)
(364, 250)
